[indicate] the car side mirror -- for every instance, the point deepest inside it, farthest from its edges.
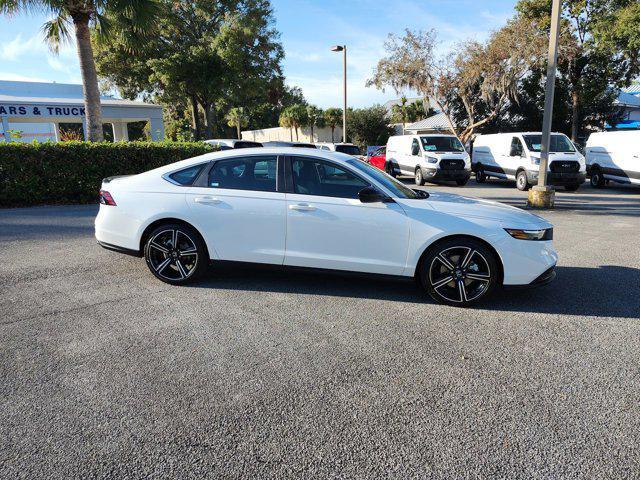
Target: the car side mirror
(415, 150)
(371, 195)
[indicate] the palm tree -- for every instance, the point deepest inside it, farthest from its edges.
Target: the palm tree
(295, 116)
(333, 117)
(237, 118)
(286, 122)
(103, 15)
(315, 118)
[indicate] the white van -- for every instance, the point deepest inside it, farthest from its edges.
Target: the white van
(429, 158)
(348, 148)
(516, 156)
(614, 156)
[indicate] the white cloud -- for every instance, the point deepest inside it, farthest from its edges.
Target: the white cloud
(21, 78)
(18, 48)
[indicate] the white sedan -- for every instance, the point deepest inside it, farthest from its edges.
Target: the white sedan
(310, 208)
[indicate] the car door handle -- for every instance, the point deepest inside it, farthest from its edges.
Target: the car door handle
(302, 207)
(207, 200)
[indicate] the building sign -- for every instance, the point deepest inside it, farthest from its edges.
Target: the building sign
(40, 111)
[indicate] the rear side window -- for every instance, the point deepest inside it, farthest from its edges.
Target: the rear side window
(186, 176)
(257, 173)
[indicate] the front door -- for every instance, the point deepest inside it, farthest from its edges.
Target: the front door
(241, 213)
(328, 227)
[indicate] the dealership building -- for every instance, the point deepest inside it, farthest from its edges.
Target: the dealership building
(35, 111)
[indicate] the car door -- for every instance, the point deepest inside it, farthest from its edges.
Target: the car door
(240, 210)
(328, 226)
(513, 158)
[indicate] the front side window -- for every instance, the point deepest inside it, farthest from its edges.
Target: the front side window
(516, 147)
(256, 173)
(397, 188)
(415, 147)
(559, 143)
(441, 144)
(316, 177)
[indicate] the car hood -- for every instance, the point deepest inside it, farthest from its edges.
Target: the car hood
(470, 208)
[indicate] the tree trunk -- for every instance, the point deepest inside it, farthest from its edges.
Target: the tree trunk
(575, 104)
(196, 118)
(311, 133)
(332, 129)
(296, 133)
(208, 121)
(93, 113)
(238, 129)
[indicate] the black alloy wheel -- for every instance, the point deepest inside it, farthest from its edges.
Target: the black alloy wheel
(175, 254)
(459, 272)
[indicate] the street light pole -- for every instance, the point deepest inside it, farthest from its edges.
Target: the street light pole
(343, 49)
(543, 195)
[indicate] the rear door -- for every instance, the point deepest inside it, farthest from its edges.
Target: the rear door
(239, 209)
(328, 227)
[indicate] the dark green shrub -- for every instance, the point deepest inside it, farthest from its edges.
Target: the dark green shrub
(71, 172)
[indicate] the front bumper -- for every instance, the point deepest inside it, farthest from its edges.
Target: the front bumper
(545, 278)
(573, 178)
(431, 174)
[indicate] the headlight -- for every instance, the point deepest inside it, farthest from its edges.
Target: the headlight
(544, 234)
(432, 160)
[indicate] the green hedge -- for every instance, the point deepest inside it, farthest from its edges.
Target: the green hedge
(71, 172)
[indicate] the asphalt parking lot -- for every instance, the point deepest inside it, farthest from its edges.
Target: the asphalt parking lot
(106, 372)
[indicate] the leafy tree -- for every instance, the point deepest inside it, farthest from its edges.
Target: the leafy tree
(332, 118)
(369, 126)
(315, 118)
(238, 119)
(83, 14)
(286, 121)
(212, 53)
(592, 56)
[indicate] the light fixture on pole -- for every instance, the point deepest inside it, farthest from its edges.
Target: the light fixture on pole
(343, 49)
(543, 195)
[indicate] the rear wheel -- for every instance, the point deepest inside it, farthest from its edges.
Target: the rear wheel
(176, 254)
(389, 169)
(522, 183)
(597, 180)
(419, 178)
(481, 177)
(459, 272)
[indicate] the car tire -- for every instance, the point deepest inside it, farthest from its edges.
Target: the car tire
(597, 180)
(462, 183)
(522, 183)
(572, 187)
(389, 169)
(419, 178)
(470, 267)
(481, 177)
(176, 254)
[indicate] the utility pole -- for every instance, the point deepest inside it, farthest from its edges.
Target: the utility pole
(343, 49)
(543, 195)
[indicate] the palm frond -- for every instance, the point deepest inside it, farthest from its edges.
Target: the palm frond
(56, 32)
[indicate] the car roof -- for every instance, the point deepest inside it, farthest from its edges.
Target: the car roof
(337, 157)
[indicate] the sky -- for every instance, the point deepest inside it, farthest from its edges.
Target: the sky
(308, 29)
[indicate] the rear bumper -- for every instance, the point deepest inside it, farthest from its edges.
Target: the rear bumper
(116, 248)
(441, 174)
(573, 178)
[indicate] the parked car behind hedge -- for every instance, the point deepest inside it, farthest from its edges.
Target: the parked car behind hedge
(71, 172)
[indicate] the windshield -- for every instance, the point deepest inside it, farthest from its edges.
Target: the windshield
(348, 149)
(441, 144)
(559, 143)
(398, 189)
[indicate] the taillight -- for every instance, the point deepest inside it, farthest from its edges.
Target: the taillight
(106, 198)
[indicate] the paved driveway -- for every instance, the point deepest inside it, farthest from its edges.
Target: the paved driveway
(106, 372)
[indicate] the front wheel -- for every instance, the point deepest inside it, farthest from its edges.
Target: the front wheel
(176, 254)
(481, 177)
(597, 180)
(459, 272)
(419, 178)
(522, 183)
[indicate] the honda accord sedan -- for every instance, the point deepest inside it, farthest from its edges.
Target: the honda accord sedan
(317, 209)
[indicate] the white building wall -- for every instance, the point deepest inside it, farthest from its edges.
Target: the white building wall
(289, 135)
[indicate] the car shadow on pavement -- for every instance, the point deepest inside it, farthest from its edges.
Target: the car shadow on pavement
(606, 291)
